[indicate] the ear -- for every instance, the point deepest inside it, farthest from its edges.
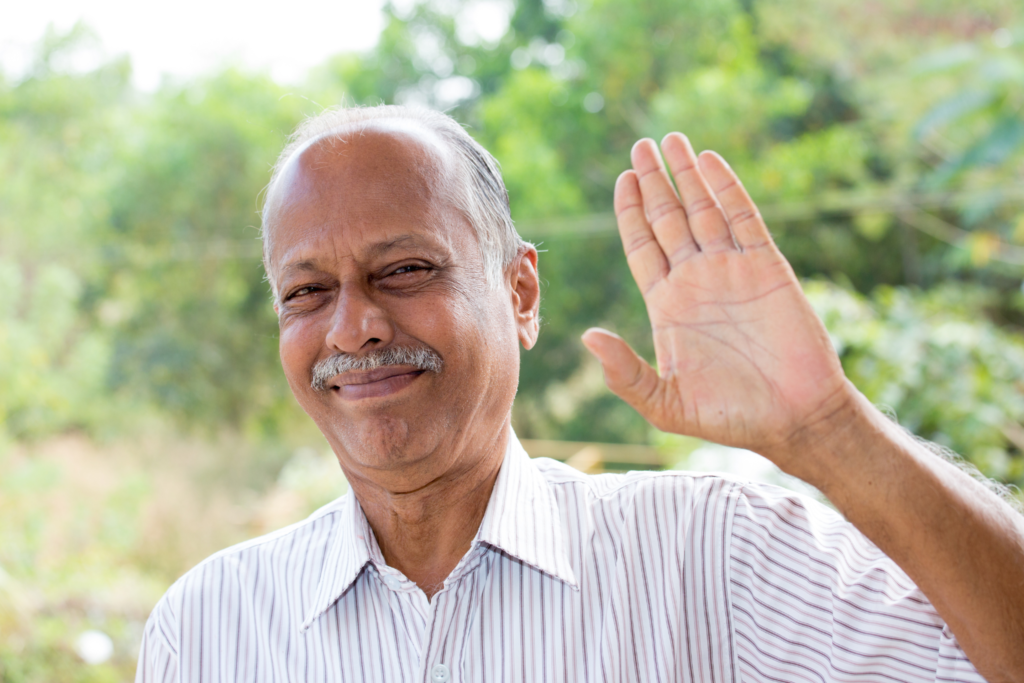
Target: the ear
(525, 291)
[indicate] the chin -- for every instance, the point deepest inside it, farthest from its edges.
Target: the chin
(382, 442)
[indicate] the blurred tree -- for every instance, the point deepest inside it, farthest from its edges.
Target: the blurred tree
(148, 202)
(946, 375)
(55, 161)
(884, 142)
(196, 334)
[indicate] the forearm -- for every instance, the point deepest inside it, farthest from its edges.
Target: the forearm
(958, 541)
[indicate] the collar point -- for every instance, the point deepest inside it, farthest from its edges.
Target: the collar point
(569, 579)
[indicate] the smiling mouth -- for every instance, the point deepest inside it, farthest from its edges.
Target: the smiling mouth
(374, 383)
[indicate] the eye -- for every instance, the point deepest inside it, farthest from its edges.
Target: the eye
(408, 269)
(302, 291)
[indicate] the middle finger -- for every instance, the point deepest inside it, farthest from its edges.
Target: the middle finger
(664, 211)
(708, 224)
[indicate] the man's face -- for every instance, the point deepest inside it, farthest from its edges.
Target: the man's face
(368, 253)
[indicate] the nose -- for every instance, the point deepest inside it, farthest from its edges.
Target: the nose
(358, 324)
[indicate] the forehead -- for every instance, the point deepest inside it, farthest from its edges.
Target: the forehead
(360, 184)
(372, 160)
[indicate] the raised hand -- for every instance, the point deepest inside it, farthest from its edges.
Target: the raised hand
(742, 359)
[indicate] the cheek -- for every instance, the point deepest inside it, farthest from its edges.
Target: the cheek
(484, 332)
(449, 322)
(299, 345)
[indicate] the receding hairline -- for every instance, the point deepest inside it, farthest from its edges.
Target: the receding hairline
(412, 129)
(443, 170)
(473, 180)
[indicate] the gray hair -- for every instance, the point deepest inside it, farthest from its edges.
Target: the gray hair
(419, 357)
(479, 194)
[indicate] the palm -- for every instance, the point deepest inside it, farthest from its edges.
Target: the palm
(742, 359)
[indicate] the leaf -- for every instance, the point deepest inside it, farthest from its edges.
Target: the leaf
(956, 107)
(1002, 141)
(944, 60)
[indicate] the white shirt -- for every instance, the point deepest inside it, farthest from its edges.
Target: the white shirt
(666, 576)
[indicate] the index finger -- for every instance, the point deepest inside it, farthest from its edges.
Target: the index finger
(646, 260)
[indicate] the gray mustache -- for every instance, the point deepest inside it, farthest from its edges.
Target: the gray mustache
(420, 357)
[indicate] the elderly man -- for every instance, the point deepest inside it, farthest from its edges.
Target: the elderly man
(403, 294)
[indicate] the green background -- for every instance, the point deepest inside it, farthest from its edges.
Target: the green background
(144, 418)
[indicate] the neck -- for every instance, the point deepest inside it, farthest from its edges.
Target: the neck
(424, 530)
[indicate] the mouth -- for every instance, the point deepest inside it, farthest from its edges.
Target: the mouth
(354, 385)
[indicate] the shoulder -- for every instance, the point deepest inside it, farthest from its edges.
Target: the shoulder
(296, 540)
(666, 494)
(292, 551)
(766, 512)
(627, 484)
(684, 496)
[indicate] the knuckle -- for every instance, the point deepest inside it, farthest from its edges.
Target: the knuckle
(721, 243)
(746, 215)
(640, 175)
(664, 209)
(637, 242)
(701, 205)
(683, 253)
(634, 386)
(622, 210)
(728, 186)
(685, 168)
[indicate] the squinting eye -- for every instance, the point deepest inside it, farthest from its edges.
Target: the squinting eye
(406, 269)
(301, 292)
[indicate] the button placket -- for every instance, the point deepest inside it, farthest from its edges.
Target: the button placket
(445, 651)
(408, 611)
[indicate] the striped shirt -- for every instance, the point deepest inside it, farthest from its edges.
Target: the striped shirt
(666, 576)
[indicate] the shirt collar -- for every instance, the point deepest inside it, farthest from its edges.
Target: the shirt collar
(350, 549)
(521, 519)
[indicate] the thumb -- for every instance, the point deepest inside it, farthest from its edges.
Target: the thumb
(625, 373)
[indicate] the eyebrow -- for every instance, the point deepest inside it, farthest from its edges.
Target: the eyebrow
(305, 265)
(374, 251)
(381, 248)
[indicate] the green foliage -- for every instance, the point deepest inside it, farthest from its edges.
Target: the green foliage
(187, 201)
(948, 376)
(136, 308)
(53, 369)
(128, 221)
(980, 123)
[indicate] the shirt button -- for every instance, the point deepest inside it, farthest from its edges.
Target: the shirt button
(393, 583)
(440, 674)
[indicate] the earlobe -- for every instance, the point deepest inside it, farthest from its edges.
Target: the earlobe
(525, 291)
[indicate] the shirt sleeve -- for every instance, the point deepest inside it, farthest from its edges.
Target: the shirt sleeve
(814, 600)
(158, 659)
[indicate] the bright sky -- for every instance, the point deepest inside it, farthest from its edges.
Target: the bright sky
(186, 37)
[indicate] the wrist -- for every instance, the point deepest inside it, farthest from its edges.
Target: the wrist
(839, 444)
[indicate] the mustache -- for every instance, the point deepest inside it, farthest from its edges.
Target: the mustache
(420, 357)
